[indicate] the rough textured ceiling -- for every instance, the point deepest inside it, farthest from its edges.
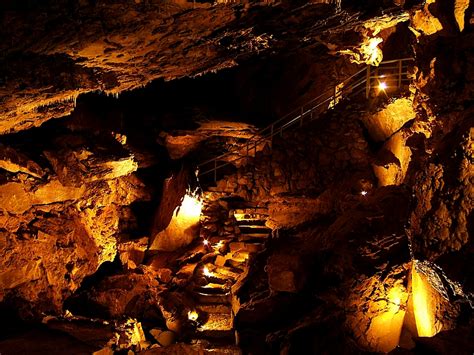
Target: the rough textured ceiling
(53, 54)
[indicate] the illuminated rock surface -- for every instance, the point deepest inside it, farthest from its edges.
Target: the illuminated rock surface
(348, 234)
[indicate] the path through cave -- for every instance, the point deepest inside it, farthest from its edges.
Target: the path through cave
(236, 177)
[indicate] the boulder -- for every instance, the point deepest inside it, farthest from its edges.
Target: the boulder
(46, 264)
(163, 337)
(14, 162)
(81, 165)
(382, 124)
(133, 294)
(17, 198)
(132, 253)
(286, 272)
(393, 160)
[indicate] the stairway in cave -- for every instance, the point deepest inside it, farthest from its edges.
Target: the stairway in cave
(216, 286)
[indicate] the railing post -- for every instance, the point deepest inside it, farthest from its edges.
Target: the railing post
(400, 74)
(215, 171)
(367, 82)
(271, 136)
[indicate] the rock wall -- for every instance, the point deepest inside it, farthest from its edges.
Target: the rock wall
(59, 228)
(306, 161)
(442, 184)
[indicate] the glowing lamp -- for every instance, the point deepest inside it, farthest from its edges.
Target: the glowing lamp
(205, 242)
(206, 271)
(363, 193)
(190, 207)
(382, 86)
(193, 315)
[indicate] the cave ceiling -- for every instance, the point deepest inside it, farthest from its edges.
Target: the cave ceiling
(53, 52)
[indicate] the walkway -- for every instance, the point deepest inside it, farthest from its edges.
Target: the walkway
(390, 76)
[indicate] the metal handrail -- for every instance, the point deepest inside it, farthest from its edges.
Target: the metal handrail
(332, 96)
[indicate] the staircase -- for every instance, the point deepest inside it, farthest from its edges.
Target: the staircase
(393, 74)
(242, 233)
(221, 275)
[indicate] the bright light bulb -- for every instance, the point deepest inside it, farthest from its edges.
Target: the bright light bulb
(193, 315)
(363, 193)
(190, 207)
(382, 86)
(205, 242)
(206, 271)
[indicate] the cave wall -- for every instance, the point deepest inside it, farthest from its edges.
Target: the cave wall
(66, 209)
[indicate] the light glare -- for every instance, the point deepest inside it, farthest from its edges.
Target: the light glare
(193, 315)
(206, 271)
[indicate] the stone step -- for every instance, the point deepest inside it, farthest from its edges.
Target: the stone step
(255, 209)
(236, 259)
(250, 216)
(248, 247)
(245, 215)
(217, 326)
(254, 229)
(214, 348)
(212, 289)
(239, 256)
(215, 308)
(205, 298)
(236, 264)
(230, 264)
(246, 236)
(252, 239)
(252, 222)
(227, 273)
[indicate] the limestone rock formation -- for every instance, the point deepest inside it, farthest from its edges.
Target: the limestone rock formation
(58, 229)
(345, 229)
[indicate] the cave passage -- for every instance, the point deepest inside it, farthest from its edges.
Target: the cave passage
(195, 177)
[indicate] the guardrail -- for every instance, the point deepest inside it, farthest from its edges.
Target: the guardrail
(392, 74)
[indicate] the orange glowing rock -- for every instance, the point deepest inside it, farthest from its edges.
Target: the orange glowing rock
(424, 304)
(183, 226)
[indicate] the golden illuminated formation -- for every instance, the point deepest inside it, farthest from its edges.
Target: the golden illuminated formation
(190, 208)
(218, 245)
(385, 328)
(423, 304)
(368, 52)
(371, 52)
(183, 227)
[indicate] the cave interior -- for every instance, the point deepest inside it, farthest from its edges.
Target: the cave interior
(236, 177)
